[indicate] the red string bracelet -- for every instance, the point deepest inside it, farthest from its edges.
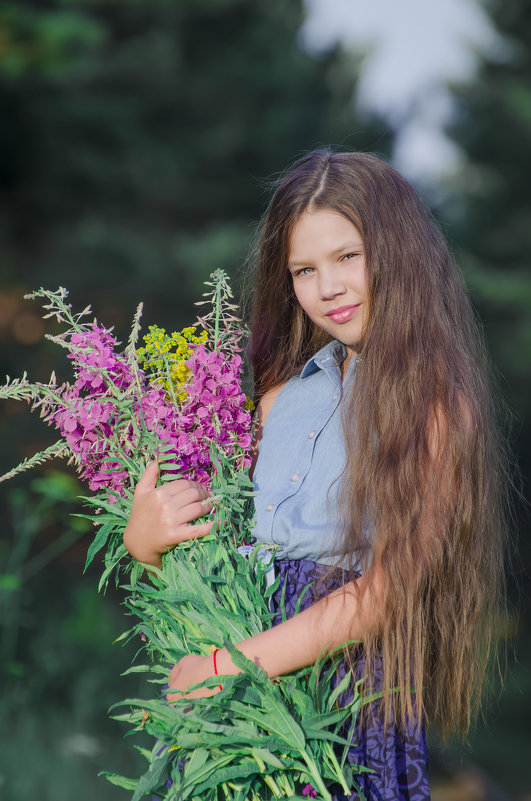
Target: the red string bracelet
(215, 664)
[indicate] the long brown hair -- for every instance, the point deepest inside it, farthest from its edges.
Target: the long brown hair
(424, 462)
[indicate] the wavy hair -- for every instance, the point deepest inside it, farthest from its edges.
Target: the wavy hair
(425, 464)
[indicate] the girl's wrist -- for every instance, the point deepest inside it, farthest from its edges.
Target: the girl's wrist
(256, 648)
(222, 664)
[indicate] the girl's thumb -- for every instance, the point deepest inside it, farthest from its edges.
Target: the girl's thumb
(148, 479)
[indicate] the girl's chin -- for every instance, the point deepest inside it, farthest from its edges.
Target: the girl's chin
(353, 348)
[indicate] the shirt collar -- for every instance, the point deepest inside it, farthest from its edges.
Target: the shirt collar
(328, 359)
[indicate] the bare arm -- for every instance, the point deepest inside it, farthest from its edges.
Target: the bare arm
(348, 613)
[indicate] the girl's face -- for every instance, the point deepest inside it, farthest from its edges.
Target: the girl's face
(327, 264)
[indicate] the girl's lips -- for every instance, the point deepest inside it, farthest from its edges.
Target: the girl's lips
(343, 314)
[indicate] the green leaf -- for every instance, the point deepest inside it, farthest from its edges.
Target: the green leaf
(266, 756)
(153, 776)
(247, 665)
(119, 781)
(101, 502)
(102, 535)
(137, 669)
(342, 687)
(301, 596)
(196, 773)
(233, 773)
(276, 720)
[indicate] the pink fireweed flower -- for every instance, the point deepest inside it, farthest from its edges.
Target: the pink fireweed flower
(89, 417)
(94, 351)
(214, 395)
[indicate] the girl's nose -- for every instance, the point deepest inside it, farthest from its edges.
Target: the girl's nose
(330, 285)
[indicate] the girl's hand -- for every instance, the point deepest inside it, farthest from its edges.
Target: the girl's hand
(190, 670)
(160, 516)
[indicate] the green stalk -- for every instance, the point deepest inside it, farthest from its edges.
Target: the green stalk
(316, 776)
(170, 382)
(58, 299)
(217, 314)
(339, 773)
(287, 785)
(57, 449)
(273, 786)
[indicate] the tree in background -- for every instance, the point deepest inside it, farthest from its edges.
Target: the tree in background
(489, 210)
(135, 135)
(488, 217)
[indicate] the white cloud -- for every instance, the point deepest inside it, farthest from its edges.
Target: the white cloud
(412, 48)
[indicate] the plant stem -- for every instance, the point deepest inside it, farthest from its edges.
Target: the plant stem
(316, 777)
(339, 772)
(217, 313)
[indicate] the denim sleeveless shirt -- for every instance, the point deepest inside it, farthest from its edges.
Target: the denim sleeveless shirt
(301, 456)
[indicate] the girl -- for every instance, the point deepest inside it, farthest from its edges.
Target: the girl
(377, 457)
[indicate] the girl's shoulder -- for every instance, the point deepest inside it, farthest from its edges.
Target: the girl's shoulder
(263, 408)
(266, 403)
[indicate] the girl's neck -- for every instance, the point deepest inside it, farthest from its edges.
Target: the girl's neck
(346, 361)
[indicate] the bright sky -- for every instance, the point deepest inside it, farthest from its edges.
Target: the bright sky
(412, 49)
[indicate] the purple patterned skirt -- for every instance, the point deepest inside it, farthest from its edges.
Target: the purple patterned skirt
(399, 762)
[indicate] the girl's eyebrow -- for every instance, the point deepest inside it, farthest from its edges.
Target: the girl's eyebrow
(352, 244)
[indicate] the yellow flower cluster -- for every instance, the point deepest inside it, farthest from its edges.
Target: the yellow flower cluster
(165, 355)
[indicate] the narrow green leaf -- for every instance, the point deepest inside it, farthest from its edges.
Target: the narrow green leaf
(153, 776)
(119, 781)
(102, 535)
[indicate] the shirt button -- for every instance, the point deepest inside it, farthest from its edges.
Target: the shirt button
(295, 477)
(311, 435)
(335, 397)
(270, 508)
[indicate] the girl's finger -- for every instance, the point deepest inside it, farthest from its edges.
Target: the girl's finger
(185, 499)
(192, 511)
(175, 488)
(148, 479)
(185, 533)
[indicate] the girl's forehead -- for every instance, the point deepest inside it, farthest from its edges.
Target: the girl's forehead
(325, 226)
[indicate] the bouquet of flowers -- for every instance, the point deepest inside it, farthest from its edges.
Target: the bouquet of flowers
(179, 399)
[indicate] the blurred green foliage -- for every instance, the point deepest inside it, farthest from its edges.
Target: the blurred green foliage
(489, 209)
(487, 215)
(134, 136)
(59, 671)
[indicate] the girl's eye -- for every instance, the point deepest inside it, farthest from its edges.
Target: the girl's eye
(349, 256)
(304, 271)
